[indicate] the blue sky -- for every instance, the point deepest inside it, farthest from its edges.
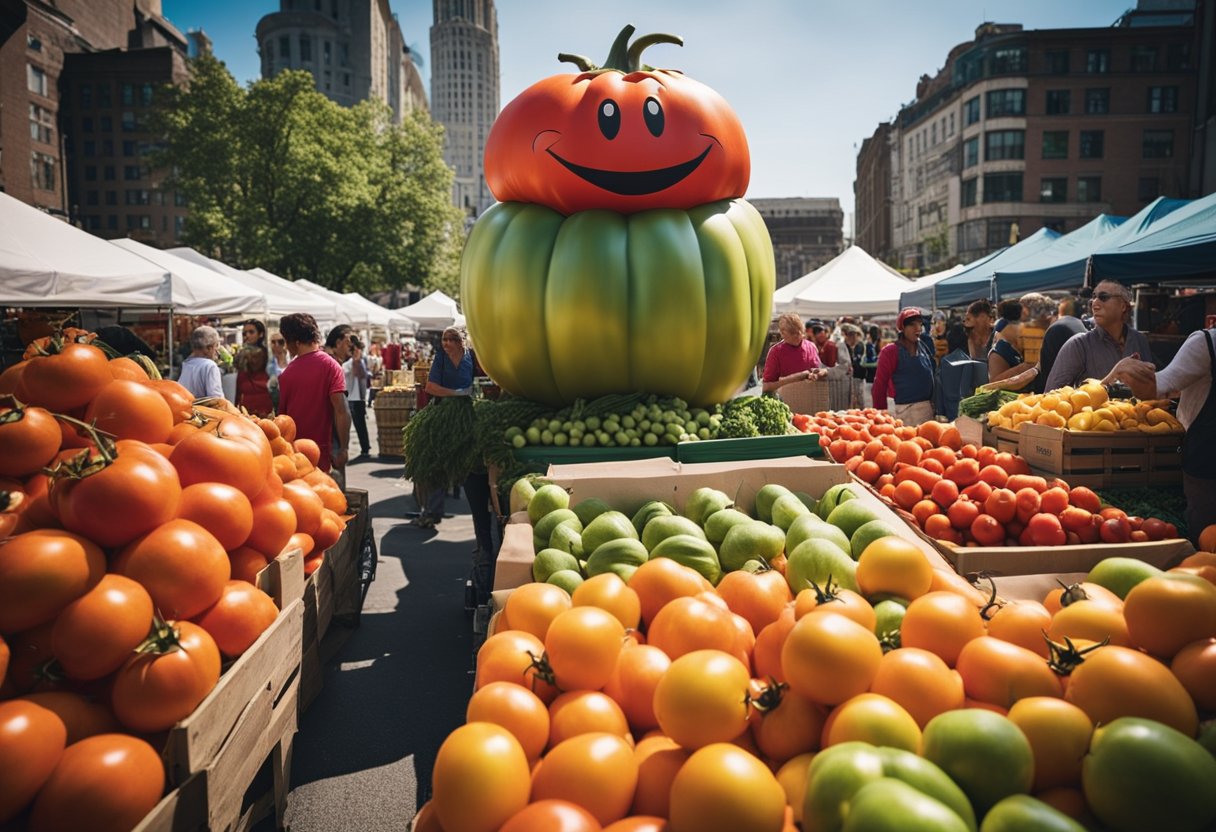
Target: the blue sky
(810, 79)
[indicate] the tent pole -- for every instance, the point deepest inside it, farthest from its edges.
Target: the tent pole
(169, 341)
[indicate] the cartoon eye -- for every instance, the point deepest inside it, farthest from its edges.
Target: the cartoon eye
(653, 113)
(610, 119)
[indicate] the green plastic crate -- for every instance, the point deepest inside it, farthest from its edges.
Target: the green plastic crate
(754, 447)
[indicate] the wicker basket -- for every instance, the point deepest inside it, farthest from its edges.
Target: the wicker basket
(421, 373)
(393, 409)
(806, 396)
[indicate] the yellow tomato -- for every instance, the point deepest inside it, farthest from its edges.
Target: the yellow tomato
(722, 787)
(1059, 734)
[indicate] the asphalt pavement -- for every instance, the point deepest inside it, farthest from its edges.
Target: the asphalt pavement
(398, 684)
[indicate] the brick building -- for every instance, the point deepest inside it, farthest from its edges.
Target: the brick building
(806, 233)
(1025, 129)
(36, 41)
(872, 193)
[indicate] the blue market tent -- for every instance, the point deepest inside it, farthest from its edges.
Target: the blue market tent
(975, 281)
(1179, 246)
(1041, 274)
(1052, 267)
(924, 296)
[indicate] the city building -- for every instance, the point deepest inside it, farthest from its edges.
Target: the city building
(38, 43)
(806, 233)
(354, 49)
(872, 193)
(464, 93)
(1028, 129)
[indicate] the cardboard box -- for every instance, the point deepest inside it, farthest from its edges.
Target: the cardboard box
(1103, 459)
(626, 486)
(972, 430)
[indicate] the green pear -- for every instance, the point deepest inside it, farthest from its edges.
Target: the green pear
(765, 498)
(543, 530)
(549, 561)
(721, 522)
(652, 509)
(567, 579)
(661, 528)
(850, 516)
(521, 494)
(611, 525)
(567, 538)
(810, 527)
(589, 509)
(786, 509)
(703, 502)
(546, 499)
(748, 541)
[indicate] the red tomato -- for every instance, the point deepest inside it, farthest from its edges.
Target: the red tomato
(306, 504)
(274, 522)
(533, 606)
(214, 455)
(220, 509)
(687, 624)
(68, 379)
(98, 631)
(31, 743)
(1022, 623)
(29, 440)
(156, 689)
(242, 613)
(633, 681)
(246, 563)
(112, 779)
(130, 410)
(43, 571)
(790, 727)
(181, 564)
(1045, 530)
(941, 622)
(661, 580)
(659, 758)
(82, 717)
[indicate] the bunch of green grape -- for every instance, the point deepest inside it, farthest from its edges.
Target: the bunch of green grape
(648, 423)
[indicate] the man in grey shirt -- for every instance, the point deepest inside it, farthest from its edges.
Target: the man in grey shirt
(1093, 354)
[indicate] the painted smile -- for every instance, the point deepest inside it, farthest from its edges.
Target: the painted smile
(634, 183)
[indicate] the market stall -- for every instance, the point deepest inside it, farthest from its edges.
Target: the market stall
(975, 281)
(852, 283)
(434, 312)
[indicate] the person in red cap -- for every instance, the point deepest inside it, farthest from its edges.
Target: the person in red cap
(906, 366)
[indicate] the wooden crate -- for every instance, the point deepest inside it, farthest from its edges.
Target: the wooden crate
(345, 559)
(1005, 440)
(1103, 459)
(283, 578)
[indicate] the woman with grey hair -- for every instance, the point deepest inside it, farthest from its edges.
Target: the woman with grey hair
(200, 373)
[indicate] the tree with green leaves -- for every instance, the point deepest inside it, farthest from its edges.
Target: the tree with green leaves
(279, 176)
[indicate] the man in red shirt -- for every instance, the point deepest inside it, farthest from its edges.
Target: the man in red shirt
(828, 351)
(312, 390)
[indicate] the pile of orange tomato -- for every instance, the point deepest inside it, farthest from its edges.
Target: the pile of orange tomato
(961, 494)
(133, 524)
(667, 705)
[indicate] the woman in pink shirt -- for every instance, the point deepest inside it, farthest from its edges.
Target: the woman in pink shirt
(793, 358)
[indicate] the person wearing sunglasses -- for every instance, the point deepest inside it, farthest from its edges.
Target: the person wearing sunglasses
(1094, 354)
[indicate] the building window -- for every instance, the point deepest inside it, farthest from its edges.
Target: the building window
(107, 147)
(346, 79)
(109, 173)
(179, 223)
(128, 147)
(1057, 62)
(305, 48)
(327, 52)
(89, 148)
(1053, 189)
(179, 199)
(112, 222)
(1178, 56)
(1158, 144)
(36, 80)
(971, 152)
(107, 124)
(1097, 102)
(92, 198)
(40, 125)
(967, 194)
(1004, 144)
(971, 111)
(1149, 188)
(33, 42)
(285, 48)
(951, 121)
(971, 235)
(1097, 60)
(1144, 58)
(1089, 189)
(145, 95)
(1006, 103)
(111, 197)
(1002, 187)
(86, 124)
(344, 54)
(1007, 60)
(1163, 99)
(933, 133)
(1092, 142)
(128, 95)
(131, 173)
(1058, 102)
(90, 173)
(86, 96)
(140, 221)
(104, 98)
(138, 197)
(1055, 144)
(42, 171)
(128, 121)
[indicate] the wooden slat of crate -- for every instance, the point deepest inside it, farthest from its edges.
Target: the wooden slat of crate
(283, 577)
(323, 586)
(1103, 459)
(182, 810)
(345, 559)
(312, 678)
(1005, 440)
(268, 665)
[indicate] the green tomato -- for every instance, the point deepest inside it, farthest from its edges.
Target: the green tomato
(554, 425)
(589, 440)
(1023, 813)
(593, 423)
(985, 753)
(890, 805)
(1140, 774)
(650, 440)
(533, 435)
(818, 560)
(839, 773)
(519, 441)
(628, 422)
(513, 432)
(561, 439)
(546, 437)
(1120, 575)
(621, 437)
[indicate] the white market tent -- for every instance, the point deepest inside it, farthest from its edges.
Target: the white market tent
(282, 297)
(196, 290)
(382, 317)
(355, 314)
(434, 312)
(852, 283)
(46, 262)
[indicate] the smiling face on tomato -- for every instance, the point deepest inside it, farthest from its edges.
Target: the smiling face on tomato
(623, 142)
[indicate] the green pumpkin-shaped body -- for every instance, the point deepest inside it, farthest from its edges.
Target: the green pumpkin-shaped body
(664, 301)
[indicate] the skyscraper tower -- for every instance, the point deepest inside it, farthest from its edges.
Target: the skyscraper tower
(464, 92)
